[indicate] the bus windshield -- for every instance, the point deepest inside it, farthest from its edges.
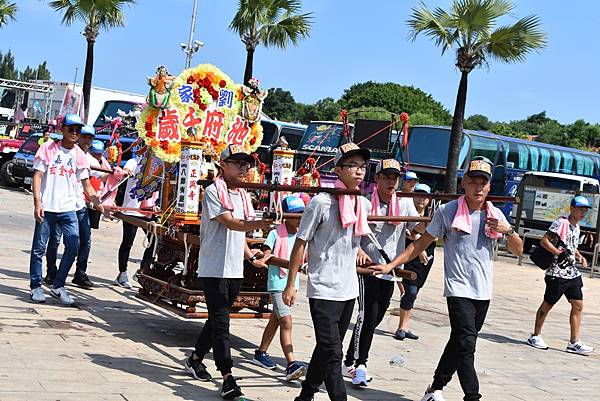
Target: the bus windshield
(557, 183)
(111, 109)
(322, 137)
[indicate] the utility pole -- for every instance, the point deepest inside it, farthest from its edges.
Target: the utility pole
(193, 45)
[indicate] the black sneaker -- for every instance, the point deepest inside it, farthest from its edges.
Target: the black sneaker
(197, 369)
(303, 399)
(49, 280)
(230, 389)
(83, 281)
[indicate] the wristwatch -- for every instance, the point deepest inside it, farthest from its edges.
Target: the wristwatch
(252, 258)
(510, 231)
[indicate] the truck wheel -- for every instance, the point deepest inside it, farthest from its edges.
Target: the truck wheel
(6, 174)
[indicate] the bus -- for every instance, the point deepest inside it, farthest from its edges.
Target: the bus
(512, 157)
(273, 130)
(546, 196)
(323, 138)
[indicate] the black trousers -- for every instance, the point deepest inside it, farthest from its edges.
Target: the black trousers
(330, 321)
(466, 319)
(129, 231)
(220, 294)
(373, 300)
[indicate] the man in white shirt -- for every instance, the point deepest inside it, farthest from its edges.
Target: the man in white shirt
(59, 168)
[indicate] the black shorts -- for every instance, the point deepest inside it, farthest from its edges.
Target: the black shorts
(556, 287)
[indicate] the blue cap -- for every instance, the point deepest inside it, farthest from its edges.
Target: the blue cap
(88, 130)
(292, 204)
(97, 147)
(72, 119)
(423, 188)
(410, 175)
(581, 201)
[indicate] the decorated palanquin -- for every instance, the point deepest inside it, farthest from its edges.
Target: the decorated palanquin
(189, 119)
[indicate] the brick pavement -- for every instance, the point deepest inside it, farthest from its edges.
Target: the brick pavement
(112, 346)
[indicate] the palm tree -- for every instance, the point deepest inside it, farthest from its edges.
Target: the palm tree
(270, 23)
(95, 14)
(7, 12)
(470, 29)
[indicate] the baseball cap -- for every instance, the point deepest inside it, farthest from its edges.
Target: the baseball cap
(410, 175)
(423, 188)
(388, 166)
(236, 152)
(292, 204)
(480, 167)
(581, 201)
(349, 149)
(72, 119)
(97, 147)
(88, 130)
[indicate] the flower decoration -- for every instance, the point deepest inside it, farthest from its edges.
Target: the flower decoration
(206, 107)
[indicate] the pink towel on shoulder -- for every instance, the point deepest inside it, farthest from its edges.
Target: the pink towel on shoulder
(223, 193)
(48, 150)
(563, 229)
(349, 214)
(280, 249)
(462, 218)
(393, 207)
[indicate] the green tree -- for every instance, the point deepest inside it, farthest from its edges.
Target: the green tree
(393, 98)
(281, 105)
(323, 110)
(7, 66)
(478, 122)
(8, 12)
(96, 15)
(470, 29)
(272, 23)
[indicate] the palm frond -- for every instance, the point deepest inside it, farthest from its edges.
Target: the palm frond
(8, 12)
(433, 24)
(512, 43)
(100, 13)
(476, 18)
(289, 29)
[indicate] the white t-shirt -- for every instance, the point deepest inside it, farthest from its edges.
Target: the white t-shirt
(61, 182)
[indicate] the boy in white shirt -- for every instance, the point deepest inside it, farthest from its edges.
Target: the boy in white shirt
(59, 166)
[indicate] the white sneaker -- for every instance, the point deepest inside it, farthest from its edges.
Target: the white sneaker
(537, 342)
(122, 280)
(578, 347)
(360, 376)
(433, 395)
(37, 295)
(62, 294)
(347, 371)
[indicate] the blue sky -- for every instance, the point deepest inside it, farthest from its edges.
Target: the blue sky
(351, 41)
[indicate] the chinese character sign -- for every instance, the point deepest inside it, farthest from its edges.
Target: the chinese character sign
(188, 195)
(168, 125)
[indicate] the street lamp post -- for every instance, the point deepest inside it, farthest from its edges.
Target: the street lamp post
(193, 45)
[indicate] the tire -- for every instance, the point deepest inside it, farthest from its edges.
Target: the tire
(6, 174)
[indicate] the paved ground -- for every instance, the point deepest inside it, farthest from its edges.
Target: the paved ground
(112, 346)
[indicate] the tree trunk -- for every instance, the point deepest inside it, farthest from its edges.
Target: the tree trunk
(456, 136)
(249, 63)
(87, 79)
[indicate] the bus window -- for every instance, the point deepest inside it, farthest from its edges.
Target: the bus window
(427, 146)
(597, 165)
(579, 164)
(269, 132)
(588, 166)
(555, 162)
(544, 159)
(464, 150)
(567, 164)
(518, 155)
(482, 146)
(292, 135)
(502, 155)
(533, 151)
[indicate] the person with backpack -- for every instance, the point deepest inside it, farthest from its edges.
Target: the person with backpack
(563, 277)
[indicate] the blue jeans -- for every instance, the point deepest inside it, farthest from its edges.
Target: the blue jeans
(67, 221)
(85, 243)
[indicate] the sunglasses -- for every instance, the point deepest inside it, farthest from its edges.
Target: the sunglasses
(76, 130)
